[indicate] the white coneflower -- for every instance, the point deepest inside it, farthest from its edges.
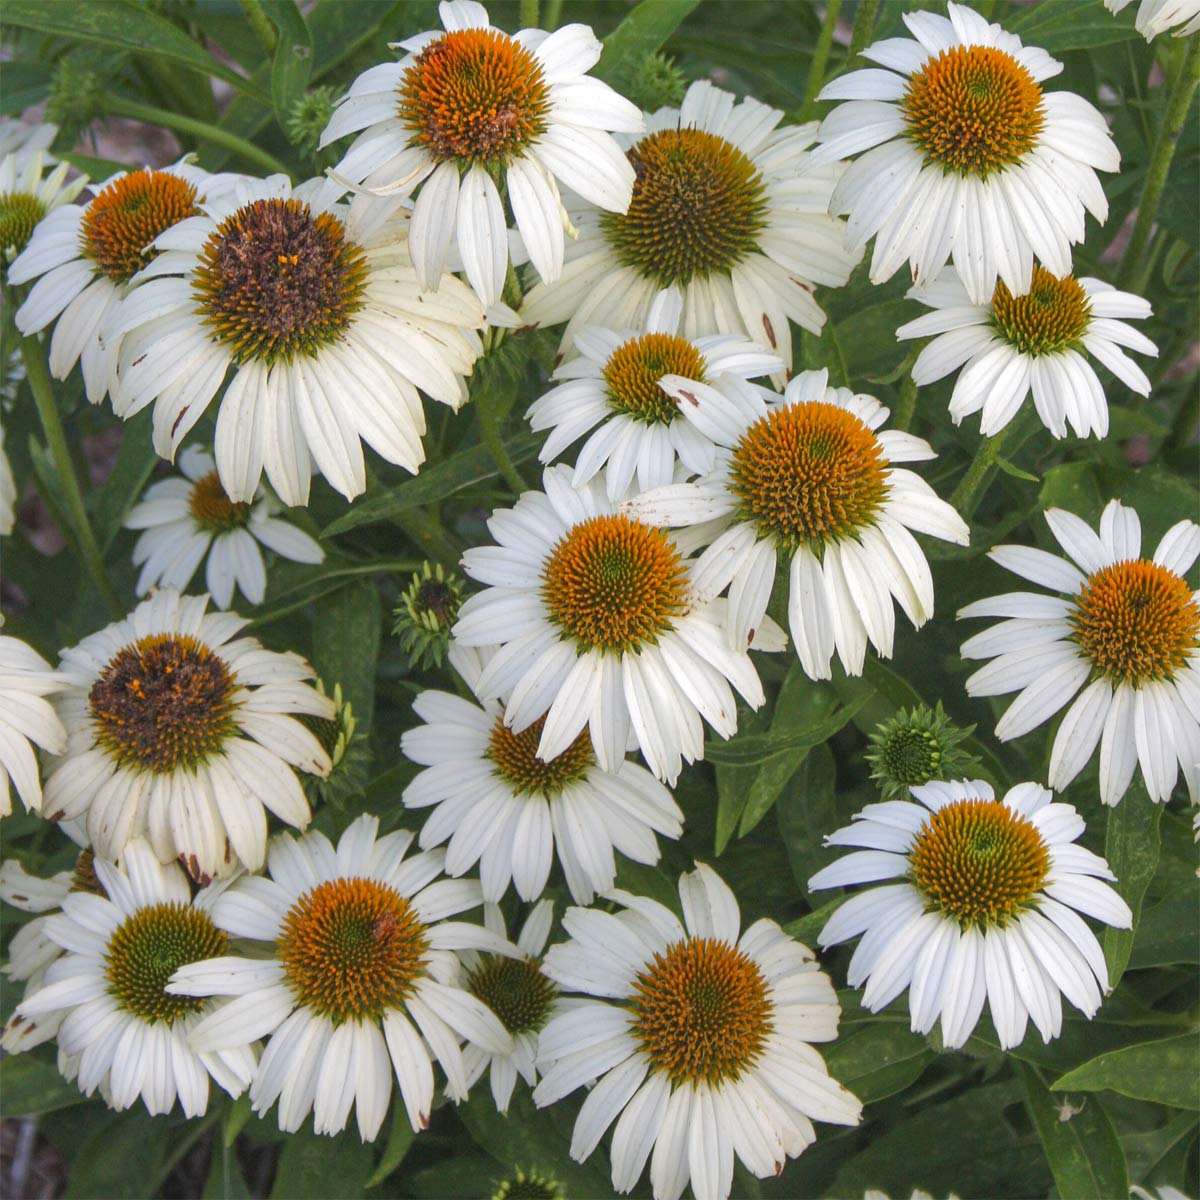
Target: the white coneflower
(700, 1038)
(598, 625)
(120, 1030)
(615, 383)
(362, 983)
(26, 199)
(318, 321)
(190, 518)
(809, 477)
(500, 805)
(470, 106)
(1123, 628)
(84, 257)
(519, 993)
(1039, 341)
(967, 157)
(1157, 16)
(727, 207)
(27, 720)
(180, 730)
(988, 910)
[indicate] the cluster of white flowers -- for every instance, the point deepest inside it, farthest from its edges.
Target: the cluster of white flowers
(619, 610)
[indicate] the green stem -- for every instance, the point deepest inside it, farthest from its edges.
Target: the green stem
(864, 22)
(38, 375)
(816, 69)
(489, 429)
(551, 15)
(122, 106)
(260, 23)
(529, 14)
(1178, 101)
(970, 488)
(907, 404)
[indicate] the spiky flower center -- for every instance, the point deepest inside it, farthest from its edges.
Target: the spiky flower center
(979, 862)
(1053, 315)
(163, 703)
(809, 473)
(698, 207)
(352, 949)
(475, 95)
(121, 223)
(701, 1011)
(148, 948)
(529, 1187)
(912, 756)
(212, 509)
(19, 214)
(1137, 622)
(514, 758)
(276, 281)
(973, 110)
(515, 990)
(614, 584)
(633, 370)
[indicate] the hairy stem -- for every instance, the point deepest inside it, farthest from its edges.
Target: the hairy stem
(816, 69)
(864, 22)
(970, 488)
(260, 23)
(529, 14)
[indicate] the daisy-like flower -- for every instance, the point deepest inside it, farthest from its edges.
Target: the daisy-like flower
(1036, 341)
(472, 105)
(966, 156)
(502, 806)
(599, 626)
(180, 730)
(614, 383)
(190, 518)
(519, 993)
(84, 256)
(1157, 16)
(362, 960)
(701, 1041)
(27, 719)
(726, 207)
(26, 199)
(122, 1031)
(1123, 628)
(809, 476)
(988, 910)
(319, 321)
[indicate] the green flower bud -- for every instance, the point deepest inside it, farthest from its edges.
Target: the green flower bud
(656, 82)
(531, 1186)
(427, 610)
(916, 746)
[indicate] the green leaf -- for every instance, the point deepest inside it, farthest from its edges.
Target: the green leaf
(1168, 932)
(31, 1086)
(1082, 1149)
(347, 628)
(807, 928)
(806, 807)
(1016, 472)
(1166, 1072)
(761, 747)
(399, 1140)
(225, 1179)
(875, 1061)
(452, 474)
(315, 1168)
(123, 1157)
(123, 27)
(293, 61)
(1131, 848)
(642, 32)
(1076, 26)
(1073, 486)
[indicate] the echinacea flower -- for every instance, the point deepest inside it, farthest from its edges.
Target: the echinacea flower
(517, 990)
(27, 720)
(186, 520)
(728, 207)
(809, 477)
(26, 199)
(614, 382)
(182, 731)
(469, 107)
(122, 1031)
(1038, 341)
(699, 1035)
(85, 256)
(598, 626)
(986, 909)
(497, 803)
(317, 320)
(1157, 16)
(362, 981)
(966, 155)
(1121, 639)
